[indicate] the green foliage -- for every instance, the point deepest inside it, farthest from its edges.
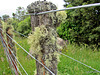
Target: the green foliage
(82, 25)
(64, 29)
(20, 13)
(15, 24)
(24, 26)
(5, 17)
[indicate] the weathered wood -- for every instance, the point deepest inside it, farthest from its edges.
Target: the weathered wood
(48, 56)
(11, 45)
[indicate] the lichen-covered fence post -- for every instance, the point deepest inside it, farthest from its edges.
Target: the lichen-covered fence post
(43, 38)
(9, 32)
(11, 45)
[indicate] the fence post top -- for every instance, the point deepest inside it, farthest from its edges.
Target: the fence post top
(40, 6)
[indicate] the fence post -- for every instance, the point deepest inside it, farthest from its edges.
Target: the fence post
(11, 45)
(49, 51)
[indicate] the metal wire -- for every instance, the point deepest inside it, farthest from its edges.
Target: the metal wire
(10, 61)
(80, 62)
(14, 63)
(17, 59)
(70, 8)
(83, 6)
(31, 55)
(20, 33)
(9, 57)
(6, 54)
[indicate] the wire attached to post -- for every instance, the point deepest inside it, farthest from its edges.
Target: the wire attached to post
(30, 54)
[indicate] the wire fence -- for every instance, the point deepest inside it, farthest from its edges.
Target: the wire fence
(16, 59)
(70, 8)
(8, 49)
(30, 54)
(69, 57)
(39, 61)
(11, 61)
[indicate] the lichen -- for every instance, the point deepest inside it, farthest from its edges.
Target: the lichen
(8, 28)
(61, 16)
(4, 28)
(43, 41)
(53, 18)
(40, 6)
(35, 38)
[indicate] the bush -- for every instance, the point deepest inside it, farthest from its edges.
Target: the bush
(24, 26)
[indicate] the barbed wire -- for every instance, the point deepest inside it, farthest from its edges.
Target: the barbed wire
(77, 61)
(16, 59)
(70, 8)
(30, 54)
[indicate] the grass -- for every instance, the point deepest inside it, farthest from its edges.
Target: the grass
(85, 55)
(66, 65)
(4, 65)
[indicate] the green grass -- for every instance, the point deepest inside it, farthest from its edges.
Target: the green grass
(85, 55)
(27, 62)
(66, 65)
(4, 65)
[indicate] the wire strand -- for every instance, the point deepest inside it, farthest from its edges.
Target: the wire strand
(70, 8)
(20, 33)
(14, 63)
(80, 62)
(9, 57)
(30, 55)
(17, 59)
(6, 53)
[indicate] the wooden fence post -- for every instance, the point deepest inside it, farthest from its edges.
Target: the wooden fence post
(11, 45)
(49, 56)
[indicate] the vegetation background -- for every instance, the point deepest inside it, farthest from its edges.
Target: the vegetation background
(81, 29)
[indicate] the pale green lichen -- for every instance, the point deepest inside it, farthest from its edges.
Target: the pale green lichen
(40, 39)
(53, 18)
(4, 28)
(35, 38)
(61, 16)
(8, 28)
